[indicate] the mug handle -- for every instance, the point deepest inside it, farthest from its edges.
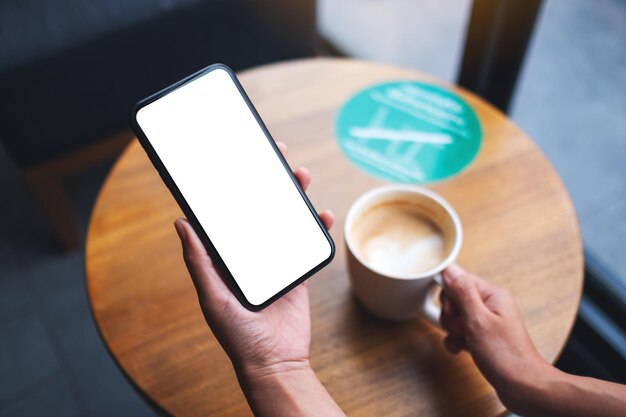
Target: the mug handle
(430, 309)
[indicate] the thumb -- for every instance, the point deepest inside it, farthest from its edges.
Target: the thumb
(460, 287)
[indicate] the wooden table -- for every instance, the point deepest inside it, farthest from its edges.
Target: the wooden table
(520, 232)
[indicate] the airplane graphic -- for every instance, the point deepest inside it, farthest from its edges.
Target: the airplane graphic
(400, 135)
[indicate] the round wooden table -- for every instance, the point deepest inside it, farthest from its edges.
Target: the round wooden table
(520, 230)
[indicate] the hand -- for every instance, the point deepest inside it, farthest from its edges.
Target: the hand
(275, 339)
(484, 320)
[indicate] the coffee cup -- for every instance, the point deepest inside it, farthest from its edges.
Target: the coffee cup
(399, 239)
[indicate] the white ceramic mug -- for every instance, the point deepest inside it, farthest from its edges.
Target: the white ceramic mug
(397, 297)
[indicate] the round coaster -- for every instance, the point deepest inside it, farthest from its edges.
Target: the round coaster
(408, 131)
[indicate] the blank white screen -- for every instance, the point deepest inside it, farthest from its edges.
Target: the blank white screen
(229, 174)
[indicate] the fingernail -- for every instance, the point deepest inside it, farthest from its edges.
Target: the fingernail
(452, 273)
(180, 229)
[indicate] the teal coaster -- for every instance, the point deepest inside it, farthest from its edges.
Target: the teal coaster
(407, 131)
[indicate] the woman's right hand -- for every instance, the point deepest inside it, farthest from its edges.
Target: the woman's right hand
(484, 320)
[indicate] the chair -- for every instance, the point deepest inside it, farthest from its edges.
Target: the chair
(71, 71)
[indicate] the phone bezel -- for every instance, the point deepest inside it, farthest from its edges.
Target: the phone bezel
(169, 182)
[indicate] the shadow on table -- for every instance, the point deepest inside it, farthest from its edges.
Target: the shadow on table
(407, 366)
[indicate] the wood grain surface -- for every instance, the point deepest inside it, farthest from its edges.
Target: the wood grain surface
(520, 230)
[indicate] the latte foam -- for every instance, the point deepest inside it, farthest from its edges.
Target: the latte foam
(396, 238)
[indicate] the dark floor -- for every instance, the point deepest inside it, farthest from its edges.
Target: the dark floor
(53, 362)
(571, 100)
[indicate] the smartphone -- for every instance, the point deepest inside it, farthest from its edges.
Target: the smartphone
(212, 150)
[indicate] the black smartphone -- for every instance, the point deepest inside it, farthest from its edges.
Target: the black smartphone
(216, 156)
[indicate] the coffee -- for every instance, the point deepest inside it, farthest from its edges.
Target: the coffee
(399, 238)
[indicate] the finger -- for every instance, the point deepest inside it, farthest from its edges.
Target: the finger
(495, 298)
(454, 326)
(447, 307)
(282, 147)
(328, 218)
(462, 291)
(500, 301)
(453, 345)
(485, 288)
(303, 176)
(208, 282)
